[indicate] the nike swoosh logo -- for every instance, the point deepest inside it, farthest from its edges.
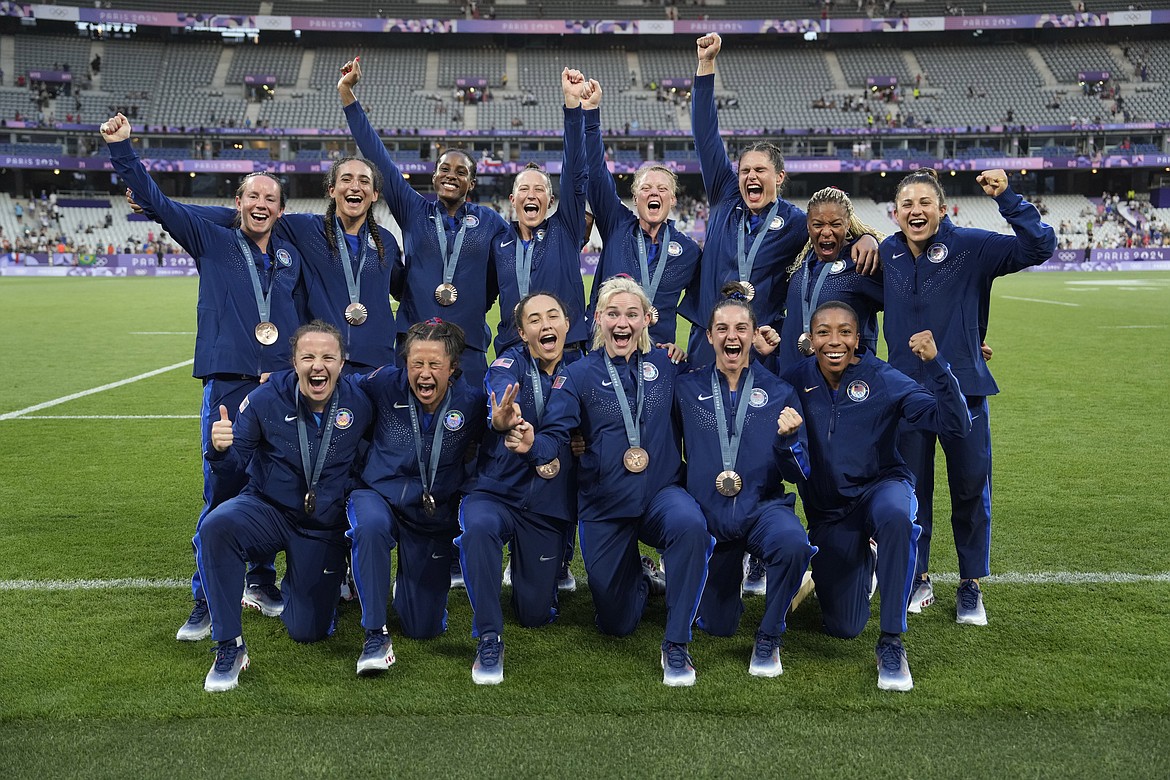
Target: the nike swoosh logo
(290, 418)
(436, 556)
(507, 243)
(329, 571)
(810, 389)
(899, 255)
(607, 384)
(974, 417)
(705, 397)
(400, 406)
(546, 557)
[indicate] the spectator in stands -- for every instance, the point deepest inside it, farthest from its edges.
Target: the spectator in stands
(250, 291)
(645, 244)
(938, 276)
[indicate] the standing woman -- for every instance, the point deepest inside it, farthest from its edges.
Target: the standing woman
(540, 252)
(528, 508)
(620, 396)
(447, 244)
(251, 299)
(752, 234)
(938, 277)
(742, 433)
(416, 470)
(646, 243)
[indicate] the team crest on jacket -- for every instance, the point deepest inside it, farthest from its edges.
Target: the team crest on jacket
(649, 371)
(244, 404)
(776, 223)
(858, 390)
(343, 419)
(370, 241)
(559, 382)
(540, 235)
(758, 397)
(283, 257)
(674, 249)
(471, 221)
(837, 267)
(454, 420)
(936, 253)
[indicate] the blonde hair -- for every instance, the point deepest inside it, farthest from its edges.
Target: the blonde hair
(641, 173)
(614, 286)
(856, 230)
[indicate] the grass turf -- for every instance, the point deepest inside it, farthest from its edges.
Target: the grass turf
(1067, 680)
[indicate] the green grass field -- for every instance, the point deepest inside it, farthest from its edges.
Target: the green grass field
(1070, 679)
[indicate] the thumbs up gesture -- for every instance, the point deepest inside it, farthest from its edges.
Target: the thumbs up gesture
(221, 431)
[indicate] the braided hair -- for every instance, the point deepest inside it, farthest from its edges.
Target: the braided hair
(856, 230)
(331, 209)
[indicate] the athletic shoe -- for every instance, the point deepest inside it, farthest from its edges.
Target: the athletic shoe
(969, 609)
(348, 586)
(873, 557)
(488, 668)
(893, 670)
(231, 658)
(265, 598)
(653, 577)
(457, 574)
(507, 579)
(377, 652)
(678, 670)
(198, 625)
(565, 580)
(922, 596)
(755, 579)
(766, 657)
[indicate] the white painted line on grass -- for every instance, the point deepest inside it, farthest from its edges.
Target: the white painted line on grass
(1006, 578)
(1130, 327)
(1038, 300)
(162, 333)
(92, 390)
(108, 417)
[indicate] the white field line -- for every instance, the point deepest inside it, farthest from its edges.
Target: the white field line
(92, 390)
(1132, 327)
(108, 417)
(162, 333)
(1006, 578)
(1038, 300)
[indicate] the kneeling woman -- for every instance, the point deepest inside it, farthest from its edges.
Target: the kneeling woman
(860, 487)
(416, 470)
(527, 508)
(742, 433)
(620, 396)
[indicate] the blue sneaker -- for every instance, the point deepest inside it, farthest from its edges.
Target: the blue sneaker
(265, 598)
(655, 579)
(755, 579)
(488, 668)
(198, 625)
(893, 670)
(231, 658)
(678, 670)
(766, 656)
(969, 607)
(377, 652)
(922, 596)
(566, 582)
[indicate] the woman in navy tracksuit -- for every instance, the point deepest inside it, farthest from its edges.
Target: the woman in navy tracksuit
(742, 431)
(938, 277)
(620, 396)
(251, 300)
(428, 425)
(646, 243)
(297, 435)
(513, 503)
(853, 405)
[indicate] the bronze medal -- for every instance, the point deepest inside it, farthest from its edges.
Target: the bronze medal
(804, 344)
(267, 334)
(446, 294)
(653, 315)
(428, 504)
(550, 469)
(356, 314)
(310, 502)
(636, 460)
(728, 483)
(749, 290)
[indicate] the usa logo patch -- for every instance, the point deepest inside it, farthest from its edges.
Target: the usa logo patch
(343, 419)
(858, 391)
(454, 420)
(471, 221)
(776, 223)
(936, 253)
(558, 383)
(674, 249)
(502, 363)
(757, 398)
(649, 371)
(283, 257)
(837, 267)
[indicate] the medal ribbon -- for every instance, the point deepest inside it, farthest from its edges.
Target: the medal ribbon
(809, 302)
(263, 306)
(747, 261)
(428, 473)
(450, 262)
(651, 286)
(307, 460)
(537, 387)
(729, 444)
(353, 279)
(633, 431)
(524, 263)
